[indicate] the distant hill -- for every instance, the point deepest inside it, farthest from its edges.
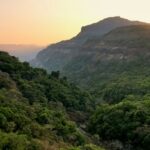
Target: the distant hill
(23, 52)
(56, 56)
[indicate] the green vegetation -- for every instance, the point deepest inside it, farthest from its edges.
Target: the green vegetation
(38, 86)
(34, 106)
(127, 121)
(87, 147)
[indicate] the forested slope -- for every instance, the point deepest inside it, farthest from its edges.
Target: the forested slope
(34, 108)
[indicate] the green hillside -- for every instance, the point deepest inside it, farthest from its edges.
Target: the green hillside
(35, 106)
(127, 122)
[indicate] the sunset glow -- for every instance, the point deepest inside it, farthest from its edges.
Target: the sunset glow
(42, 22)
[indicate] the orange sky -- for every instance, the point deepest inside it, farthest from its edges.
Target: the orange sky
(42, 22)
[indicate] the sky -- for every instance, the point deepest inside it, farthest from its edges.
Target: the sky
(42, 22)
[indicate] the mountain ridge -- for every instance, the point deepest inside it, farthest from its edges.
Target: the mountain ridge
(57, 55)
(108, 24)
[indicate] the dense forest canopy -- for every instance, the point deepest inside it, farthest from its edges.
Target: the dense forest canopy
(34, 108)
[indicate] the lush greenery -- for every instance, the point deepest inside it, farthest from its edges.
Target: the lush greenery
(34, 108)
(127, 121)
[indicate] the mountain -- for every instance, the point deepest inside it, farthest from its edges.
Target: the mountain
(102, 27)
(120, 59)
(23, 52)
(56, 56)
(117, 61)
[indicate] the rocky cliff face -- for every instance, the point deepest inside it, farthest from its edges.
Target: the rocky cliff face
(56, 56)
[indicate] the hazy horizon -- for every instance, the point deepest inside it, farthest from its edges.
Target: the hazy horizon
(23, 52)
